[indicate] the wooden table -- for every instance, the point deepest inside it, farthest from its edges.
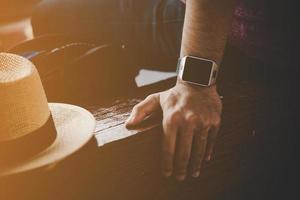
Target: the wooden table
(130, 168)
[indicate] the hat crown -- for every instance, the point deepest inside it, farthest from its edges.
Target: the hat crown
(23, 103)
(13, 68)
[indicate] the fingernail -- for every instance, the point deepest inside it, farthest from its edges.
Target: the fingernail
(196, 174)
(208, 158)
(180, 177)
(129, 120)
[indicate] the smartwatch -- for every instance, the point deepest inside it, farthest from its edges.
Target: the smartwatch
(197, 71)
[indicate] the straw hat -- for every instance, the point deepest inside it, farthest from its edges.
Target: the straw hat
(33, 132)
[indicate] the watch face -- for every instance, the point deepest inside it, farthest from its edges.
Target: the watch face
(197, 71)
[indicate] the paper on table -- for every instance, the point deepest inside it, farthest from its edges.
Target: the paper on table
(118, 133)
(147, 77)
(110, 122)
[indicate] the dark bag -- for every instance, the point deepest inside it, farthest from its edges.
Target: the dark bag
(77, 71)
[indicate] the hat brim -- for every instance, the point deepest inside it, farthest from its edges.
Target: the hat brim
(74, 126)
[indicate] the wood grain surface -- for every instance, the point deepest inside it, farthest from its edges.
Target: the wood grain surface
(129, 168)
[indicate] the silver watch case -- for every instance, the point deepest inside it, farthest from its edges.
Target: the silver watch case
(213, 74)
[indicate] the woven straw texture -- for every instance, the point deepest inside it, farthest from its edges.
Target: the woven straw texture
(23, 103)
(24, 109)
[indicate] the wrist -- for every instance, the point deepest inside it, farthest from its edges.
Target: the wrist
(195, 87)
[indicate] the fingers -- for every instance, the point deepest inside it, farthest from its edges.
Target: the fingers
(184, 151)
(200, 141)
(183, 145)
(143, 109)
(168, 147)
(211, 141)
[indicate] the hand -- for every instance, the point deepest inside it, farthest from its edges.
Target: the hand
(191, 120)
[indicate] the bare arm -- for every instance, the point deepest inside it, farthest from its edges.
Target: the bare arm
(206, 26)
(191, 114)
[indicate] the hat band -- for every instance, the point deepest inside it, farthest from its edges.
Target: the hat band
(29, 145)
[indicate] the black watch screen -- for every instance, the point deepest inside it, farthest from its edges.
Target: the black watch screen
(197, 71)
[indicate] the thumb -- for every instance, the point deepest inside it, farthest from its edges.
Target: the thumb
(143, 109)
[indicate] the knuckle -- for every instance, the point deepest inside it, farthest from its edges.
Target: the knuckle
(217, 121)
(151, 97)
(167, 122)
(205, 123)
(137, 108)
(171, 94)
(191, 119)
(174, 117)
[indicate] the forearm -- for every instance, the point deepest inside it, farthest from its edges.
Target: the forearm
(191, 115)
(206, 26)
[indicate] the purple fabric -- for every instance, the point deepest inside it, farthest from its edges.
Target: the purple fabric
(253, 33)
(248, 25)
